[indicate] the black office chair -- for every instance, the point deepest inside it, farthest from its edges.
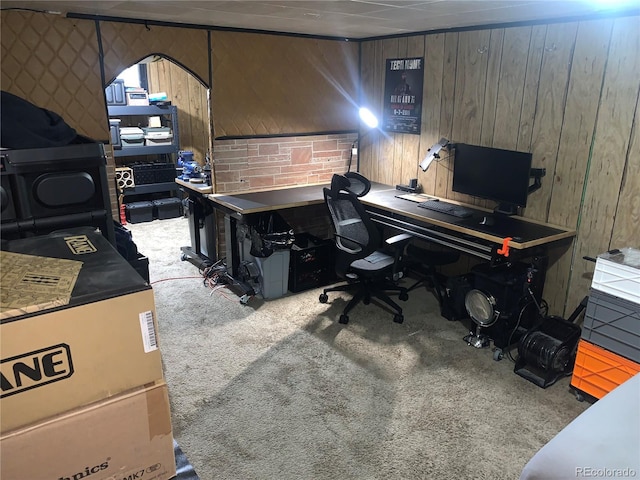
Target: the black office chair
(369, 271)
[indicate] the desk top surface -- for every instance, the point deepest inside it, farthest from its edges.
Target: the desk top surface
(525, 233)
(196, 187)
(277, 199)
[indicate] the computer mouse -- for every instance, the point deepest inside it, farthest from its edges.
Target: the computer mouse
(487, 221)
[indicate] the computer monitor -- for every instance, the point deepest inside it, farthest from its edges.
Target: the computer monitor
(493, 174)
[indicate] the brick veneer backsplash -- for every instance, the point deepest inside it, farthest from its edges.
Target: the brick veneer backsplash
(258, 164)
(262, 163)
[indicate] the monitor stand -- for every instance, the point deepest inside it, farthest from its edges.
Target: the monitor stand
(506, 209)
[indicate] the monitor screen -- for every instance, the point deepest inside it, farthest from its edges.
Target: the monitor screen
(492, 174)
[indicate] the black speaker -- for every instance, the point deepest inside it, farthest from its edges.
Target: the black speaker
(509, 286)
(7, 209)
(47, 189)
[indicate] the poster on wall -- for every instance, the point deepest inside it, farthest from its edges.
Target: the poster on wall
(403, 95)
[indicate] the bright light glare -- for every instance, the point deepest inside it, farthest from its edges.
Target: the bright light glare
(368, 118)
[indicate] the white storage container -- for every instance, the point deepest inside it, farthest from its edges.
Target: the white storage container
(618, 273)
(158, 136)
(131, 137)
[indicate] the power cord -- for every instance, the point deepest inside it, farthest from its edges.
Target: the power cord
(543, 310)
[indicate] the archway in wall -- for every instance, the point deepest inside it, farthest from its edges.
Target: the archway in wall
(157, 74)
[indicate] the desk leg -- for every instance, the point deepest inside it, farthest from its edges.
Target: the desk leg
(202, 252)
(240, 288)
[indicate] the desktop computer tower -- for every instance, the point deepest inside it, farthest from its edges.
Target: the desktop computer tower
(511, 286)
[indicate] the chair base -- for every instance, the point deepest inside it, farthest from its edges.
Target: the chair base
(365, 290)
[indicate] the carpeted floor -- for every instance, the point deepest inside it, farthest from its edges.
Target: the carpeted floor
(278, 389)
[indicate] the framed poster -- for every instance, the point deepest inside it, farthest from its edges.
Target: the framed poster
(403, 95)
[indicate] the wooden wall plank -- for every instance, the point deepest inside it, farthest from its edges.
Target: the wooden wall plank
(552, 89)
(471, 75)
(626, 227)
(609, 152)
(409, 156)
(531, 84)
(367, 92)
(449, 72)
(587, 70)
(187, 93)
(494, 61)
(512, 80)
(385, 167)
(431, 104)
(493, 87)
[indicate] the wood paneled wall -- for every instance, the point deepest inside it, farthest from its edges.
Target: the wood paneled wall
(566, 92)
(192, 99)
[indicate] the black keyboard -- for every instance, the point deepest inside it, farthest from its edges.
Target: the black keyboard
(448, 208)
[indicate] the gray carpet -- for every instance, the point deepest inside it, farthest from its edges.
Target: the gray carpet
(278, 389)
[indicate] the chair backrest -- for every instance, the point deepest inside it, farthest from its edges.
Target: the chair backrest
(356, 235)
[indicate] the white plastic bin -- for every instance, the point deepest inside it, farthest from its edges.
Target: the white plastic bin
(618, 274)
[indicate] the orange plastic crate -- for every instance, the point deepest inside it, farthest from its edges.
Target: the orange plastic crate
(598, 371)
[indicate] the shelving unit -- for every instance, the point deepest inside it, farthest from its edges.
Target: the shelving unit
(138, 116)
(128, 114)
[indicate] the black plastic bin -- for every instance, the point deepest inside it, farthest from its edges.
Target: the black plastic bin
(312, 263)
(138, 212)
(167, 208)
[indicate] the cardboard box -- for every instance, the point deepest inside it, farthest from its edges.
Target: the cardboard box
(71, 346)
(125, 437)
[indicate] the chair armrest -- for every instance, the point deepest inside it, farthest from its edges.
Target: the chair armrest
(340, 245)
(397, 243)
(398, 240)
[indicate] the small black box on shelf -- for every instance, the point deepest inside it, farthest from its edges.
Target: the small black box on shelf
(312, 263)
(138, 212)
(167, 208)
(147, 173)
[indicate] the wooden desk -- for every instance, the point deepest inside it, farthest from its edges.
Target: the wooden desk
(468, 235)
(275, 199)
(196, 187)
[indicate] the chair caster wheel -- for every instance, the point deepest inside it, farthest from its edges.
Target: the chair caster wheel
(183, 257)
(498, 355)
(323, 298)
(403, 296)
(398, 318)
(344, 319)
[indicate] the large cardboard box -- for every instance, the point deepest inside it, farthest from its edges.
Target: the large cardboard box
(125, 437)
(75, 328)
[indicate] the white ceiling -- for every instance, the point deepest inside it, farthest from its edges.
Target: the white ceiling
(335, 18)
